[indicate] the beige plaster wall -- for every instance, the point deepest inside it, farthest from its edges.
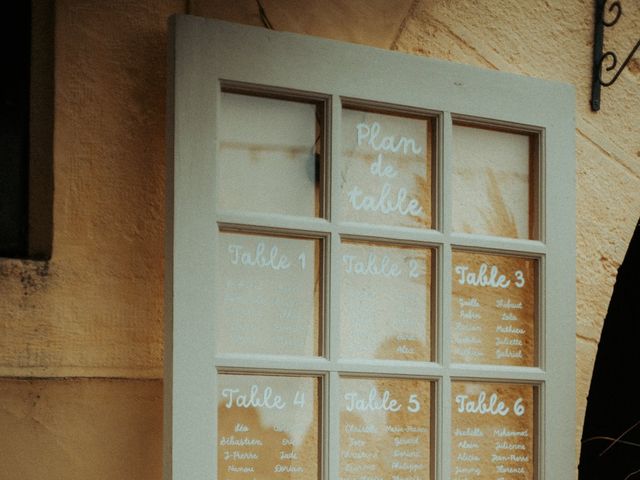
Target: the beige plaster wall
(97, 429)
(94, 312)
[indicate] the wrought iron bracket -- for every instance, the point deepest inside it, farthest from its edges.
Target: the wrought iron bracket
(599, 58)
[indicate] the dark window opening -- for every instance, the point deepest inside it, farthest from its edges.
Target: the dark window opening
(14, 131)
(26, 130)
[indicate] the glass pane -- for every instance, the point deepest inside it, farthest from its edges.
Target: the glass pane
(386, 302)
(269, 295)
(493, 309)
(268, 427)
(268, 161)
(493, 184)
(386, 176)
(493, 431)
(385, 428)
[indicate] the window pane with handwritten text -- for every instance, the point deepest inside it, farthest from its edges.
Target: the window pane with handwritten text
(493, 309)
(268, 427)
(269, 156)
(268, 299)
(386, 301)
(387, 169)
(385, 428)
(494, 184)
(493, 431)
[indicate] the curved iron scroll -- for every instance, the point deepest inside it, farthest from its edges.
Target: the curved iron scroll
(610, 57)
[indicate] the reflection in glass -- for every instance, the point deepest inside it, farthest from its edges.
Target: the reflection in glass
(385, 428)
(386, 176)
(493, 431)
(268, 427)
(268, 299)
(385, 301)
(493, 309)
(268, 161)
(493, 184)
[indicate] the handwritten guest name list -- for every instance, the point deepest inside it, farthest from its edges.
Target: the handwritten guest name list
(268, 295)
(377, 321)
(493, 309)
(267, 427)
(385, 429)
(492, 431)
(387, 169)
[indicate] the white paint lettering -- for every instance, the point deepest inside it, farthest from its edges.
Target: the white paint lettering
(259, 258)
(254, 399)
(480, 405)
(388, 143)
(484, 277)
(371, 403)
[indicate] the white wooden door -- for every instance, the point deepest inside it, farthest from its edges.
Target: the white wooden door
(370, 264)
